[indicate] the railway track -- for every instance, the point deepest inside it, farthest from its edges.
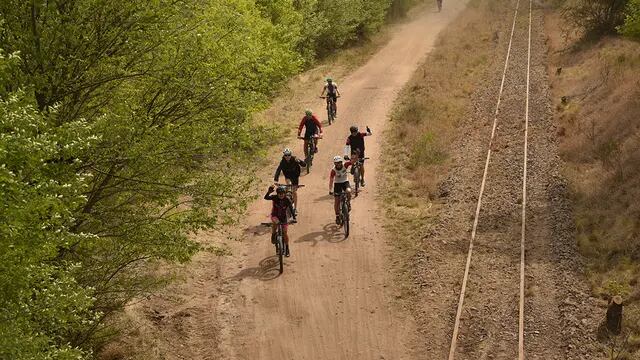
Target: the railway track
(487, 328)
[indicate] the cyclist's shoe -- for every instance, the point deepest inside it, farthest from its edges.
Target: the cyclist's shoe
(362, 183)
(286, 251)
(337, 219)
(273, 238)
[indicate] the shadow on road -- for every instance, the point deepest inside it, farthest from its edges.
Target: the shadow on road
(266, 270)
(330, 233)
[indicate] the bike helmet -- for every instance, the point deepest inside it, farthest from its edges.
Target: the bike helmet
(329, 79)
(287, 152)
(308, 112)
(280, 190)
(353, 128)
(337, 159)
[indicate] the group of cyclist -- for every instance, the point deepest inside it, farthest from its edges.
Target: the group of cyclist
(291, 167)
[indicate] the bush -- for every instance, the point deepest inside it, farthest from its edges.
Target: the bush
(631, 26)
(596, 17)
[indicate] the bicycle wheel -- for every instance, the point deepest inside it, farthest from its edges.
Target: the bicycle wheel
(329, 114)
(345, 218)
(356, 179)
(309, 159)
(280, 245)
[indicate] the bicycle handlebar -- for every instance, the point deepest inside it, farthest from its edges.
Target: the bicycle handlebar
(288, 185)
(270, 224)
(314, 136)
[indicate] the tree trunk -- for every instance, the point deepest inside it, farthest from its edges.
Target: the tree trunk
(614, 315)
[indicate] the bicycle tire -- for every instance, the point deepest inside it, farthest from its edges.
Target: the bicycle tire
(356, 179)
(280, 245)
(345, 218)
(309, 159)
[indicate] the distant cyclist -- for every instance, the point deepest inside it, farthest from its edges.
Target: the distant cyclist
(290, 167)
(355, 147)
(331, 89)
(311, 127)
(439, 2)
(281, 204)
(338, 183)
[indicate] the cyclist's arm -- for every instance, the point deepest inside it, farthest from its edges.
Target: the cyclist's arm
(301, 162)
(318, 124)
(300, 126)
(331, 176)
(278, 171)
(268, 195)
(323, 91)
(337, 91)
(347, 148)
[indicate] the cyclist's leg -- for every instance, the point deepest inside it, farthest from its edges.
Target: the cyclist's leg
(362, 168)
(304, 146)
(294, 190)
(335, 104)
(315, 144)
(274, 228)
(285, 234)
(337, 189)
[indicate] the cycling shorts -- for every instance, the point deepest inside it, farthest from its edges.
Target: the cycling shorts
(339, 188)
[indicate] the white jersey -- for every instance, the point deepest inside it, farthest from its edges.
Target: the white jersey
(340, 176)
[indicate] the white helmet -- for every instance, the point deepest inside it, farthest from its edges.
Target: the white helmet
(287, 151)
(337, 158)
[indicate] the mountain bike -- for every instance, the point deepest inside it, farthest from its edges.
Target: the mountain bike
(357, 169)
(331, 108)
(279, 242)
(345, 207)
(310, 150)
(289, 194)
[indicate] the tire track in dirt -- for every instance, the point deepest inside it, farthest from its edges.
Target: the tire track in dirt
(334, 300)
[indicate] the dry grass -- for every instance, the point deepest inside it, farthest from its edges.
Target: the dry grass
(424, 124)
(600, 144)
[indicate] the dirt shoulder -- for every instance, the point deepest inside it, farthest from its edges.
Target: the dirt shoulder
(439, 141)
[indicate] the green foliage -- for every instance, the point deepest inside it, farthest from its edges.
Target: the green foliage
(631, 26)
(125, 127)
(595, 17)
(41, 303)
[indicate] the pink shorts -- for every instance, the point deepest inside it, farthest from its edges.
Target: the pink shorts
(274, 219)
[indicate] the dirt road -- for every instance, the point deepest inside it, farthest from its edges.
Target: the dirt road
(333, 300)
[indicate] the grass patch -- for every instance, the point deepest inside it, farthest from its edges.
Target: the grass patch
(424, 124)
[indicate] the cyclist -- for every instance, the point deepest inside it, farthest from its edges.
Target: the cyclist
(355, 147)
(338, 182)
(312, 127)
(281, 204)
(290, 167)
(332, 91)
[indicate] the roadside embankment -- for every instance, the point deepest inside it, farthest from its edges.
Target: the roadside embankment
(596, 97)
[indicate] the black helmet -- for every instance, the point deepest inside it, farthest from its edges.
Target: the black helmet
(280, 190)
(353, 128)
